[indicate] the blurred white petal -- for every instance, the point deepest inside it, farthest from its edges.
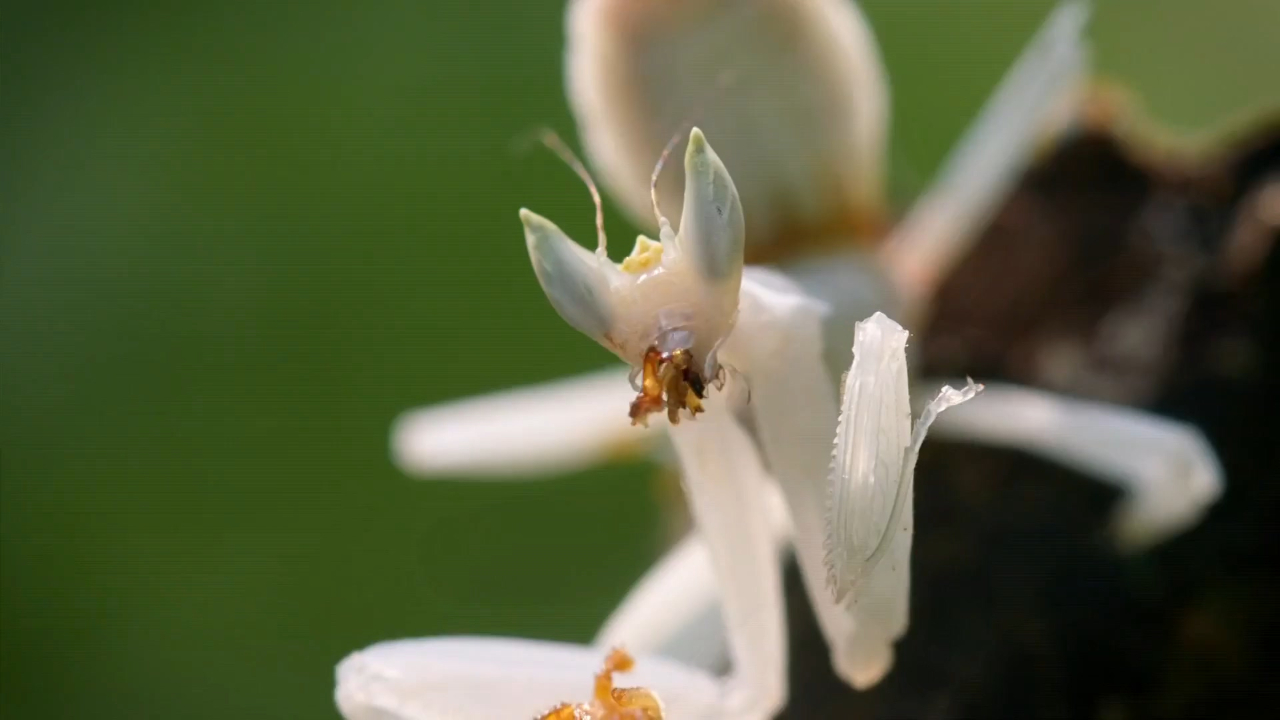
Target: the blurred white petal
(539, 430)
(793, 93)
(725, 483)
(1167, 469)
(674, 609)
(488, 678)
(991, 156)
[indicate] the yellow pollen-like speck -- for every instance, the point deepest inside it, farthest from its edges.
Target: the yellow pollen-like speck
(645, 256)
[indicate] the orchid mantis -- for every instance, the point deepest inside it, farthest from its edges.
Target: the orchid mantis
(782, 454)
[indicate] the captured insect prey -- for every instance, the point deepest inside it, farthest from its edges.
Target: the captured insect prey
(609, 702)
(668, 380)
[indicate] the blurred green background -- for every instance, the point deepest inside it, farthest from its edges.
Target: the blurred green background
(240, 237)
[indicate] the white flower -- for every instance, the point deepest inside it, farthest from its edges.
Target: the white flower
(793, 95)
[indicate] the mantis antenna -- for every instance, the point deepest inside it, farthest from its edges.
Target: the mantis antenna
(657, 171)
(558, 146)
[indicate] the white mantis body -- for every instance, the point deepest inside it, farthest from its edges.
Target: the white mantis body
(822, 470)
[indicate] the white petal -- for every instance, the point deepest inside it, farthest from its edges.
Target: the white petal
(572, 277)
(793, 93)
(547, 429)
(711, 228)
(778, 345)
(1167, 469)
(487, 678)
(725, 483)
(995, 150)
(674, 610)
